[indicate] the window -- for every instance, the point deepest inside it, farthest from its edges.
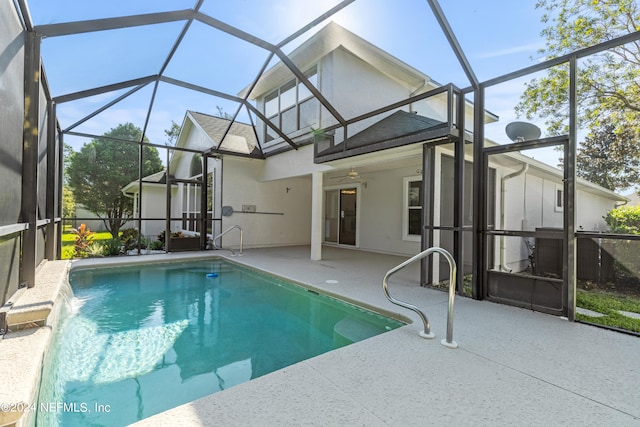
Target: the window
(559, 198)
(195, 168)
(292, 107)
(412, 209)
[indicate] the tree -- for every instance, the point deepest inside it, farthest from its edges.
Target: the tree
(68, 203)
(625, 219)
(102, 167)
(172, 133)
(67, 155)
(608, 158)
(608, 82)
(222, 114)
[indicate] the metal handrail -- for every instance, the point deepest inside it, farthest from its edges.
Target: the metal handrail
(448, 342)
(225, 232)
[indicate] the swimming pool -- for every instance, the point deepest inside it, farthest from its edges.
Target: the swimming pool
(139, 340)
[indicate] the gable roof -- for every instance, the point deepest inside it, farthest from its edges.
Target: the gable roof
(329, 38)
(240, 139)
(158, 178)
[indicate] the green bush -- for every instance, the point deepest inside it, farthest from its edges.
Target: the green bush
(625, 220)
(156, 245)
(112, 247)
(83, 238)
(68, 252)
(129, 238)
(95, 249)
(146, 242)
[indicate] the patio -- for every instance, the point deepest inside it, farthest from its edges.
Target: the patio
(512, 367)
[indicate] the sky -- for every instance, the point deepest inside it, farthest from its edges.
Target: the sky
(497, 36)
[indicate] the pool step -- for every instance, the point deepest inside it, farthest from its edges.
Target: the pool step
(350, 330)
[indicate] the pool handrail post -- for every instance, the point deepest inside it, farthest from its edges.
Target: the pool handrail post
(426, 333)
(233, 253)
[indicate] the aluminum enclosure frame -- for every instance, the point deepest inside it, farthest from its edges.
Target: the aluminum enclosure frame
(29, 221)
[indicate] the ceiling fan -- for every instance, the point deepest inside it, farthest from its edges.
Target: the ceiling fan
(351, 175)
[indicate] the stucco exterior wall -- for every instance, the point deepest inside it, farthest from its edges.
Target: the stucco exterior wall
(154, 206)
(287, 202)
(530, 204)
(381, 213)
(591, 210)
(355, 87)
(290, 164)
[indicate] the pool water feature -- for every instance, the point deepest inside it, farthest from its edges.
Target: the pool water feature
(139, 340)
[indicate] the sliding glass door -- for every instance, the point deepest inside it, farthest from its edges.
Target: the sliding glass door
(341, 216)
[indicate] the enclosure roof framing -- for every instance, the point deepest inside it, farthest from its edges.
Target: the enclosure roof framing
(93, 25)
(274, 49)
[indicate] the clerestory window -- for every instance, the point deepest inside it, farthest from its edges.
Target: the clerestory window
(292, 106)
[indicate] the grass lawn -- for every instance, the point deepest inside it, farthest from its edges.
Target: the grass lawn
(609, 304)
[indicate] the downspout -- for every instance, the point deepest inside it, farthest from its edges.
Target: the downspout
(415, 92)
(524, 169)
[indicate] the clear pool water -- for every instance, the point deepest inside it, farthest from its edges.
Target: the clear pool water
(140, 340)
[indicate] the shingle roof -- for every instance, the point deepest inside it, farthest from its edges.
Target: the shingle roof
(158, 177)
(240, 139)
(399, 128)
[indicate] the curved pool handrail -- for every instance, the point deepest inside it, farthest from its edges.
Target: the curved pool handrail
(448, 342)
(225, 232)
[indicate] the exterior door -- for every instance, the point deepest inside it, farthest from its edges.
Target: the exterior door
(341, 216)
(348, 197)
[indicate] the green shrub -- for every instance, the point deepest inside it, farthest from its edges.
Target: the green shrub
(95, 249)
(67, 252)
(112, 247)
(156, 245)
(129, 238)
(83, 238)
(625, 220)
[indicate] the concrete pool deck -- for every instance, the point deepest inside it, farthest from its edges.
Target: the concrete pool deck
(513, 366)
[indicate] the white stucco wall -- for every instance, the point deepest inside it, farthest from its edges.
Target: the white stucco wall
(355, 87)
(381, 213)
(290, 164)
(154, 206)
(591, 210)
(530, 204)
(359, 88)
(242, 186)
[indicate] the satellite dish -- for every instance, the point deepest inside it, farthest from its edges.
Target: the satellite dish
(522, 131)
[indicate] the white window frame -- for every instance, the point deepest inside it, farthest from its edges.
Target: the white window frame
(299, 99)
(405, 209)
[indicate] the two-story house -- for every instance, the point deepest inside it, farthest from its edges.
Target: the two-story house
(307, 181)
